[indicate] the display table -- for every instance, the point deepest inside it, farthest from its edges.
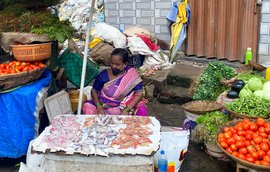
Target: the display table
(97, 143)
(19, 116)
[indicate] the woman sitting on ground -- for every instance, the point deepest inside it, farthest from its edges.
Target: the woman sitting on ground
(117, 90)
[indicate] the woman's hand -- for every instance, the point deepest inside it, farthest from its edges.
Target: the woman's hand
(100, 110)
(125, 112)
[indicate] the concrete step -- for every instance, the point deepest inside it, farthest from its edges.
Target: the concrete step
(184, 73)
(174, 94)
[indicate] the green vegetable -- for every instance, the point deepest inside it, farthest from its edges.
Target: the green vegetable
(266, 86)
(208, 125)
(246, 76)
(255, 84)
(245, 92)
(209, 87)
(251, 105)
(259, 93)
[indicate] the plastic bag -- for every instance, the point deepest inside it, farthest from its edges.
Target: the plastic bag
(174, 141)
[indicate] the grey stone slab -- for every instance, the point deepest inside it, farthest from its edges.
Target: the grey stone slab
(265, 38)
(125, 5)
(160, 5)
(265, 18)
(126, 20)
(143, 5)
(147, 13)
(143, 20)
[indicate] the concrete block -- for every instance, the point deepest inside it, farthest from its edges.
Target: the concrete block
(110, 6)
(265, 39)
(162, 5)
(129, 13)
(138, 13)
(164, 13)
(265, 18)
(165, 37)
(164, 29)
(112, 13)
(266, 7)
(127, 0)
(108, 1)
(159, 21)
(126, 20)
(111, 20)
(264, 58)
(150, 28)
(263, 49)
(143, 21)
(147, 13)
(121, 13)
(145, 5)
(157, 13)
(265, 28)
(157, 28)
(125, 5)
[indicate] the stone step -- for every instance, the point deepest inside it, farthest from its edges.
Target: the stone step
(174, 94)
(184, 73)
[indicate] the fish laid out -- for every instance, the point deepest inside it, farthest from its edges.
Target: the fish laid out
(100, 135)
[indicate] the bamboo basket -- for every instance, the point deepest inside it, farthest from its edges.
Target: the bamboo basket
(237, 115)
(11, 81)
(260, 168)
(32, 52)
(202, 106)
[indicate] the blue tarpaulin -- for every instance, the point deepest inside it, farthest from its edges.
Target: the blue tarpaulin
(17, 117)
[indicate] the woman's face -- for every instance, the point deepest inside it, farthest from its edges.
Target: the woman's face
(117, 64)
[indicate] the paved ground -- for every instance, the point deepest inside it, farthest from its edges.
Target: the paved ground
(169, 115)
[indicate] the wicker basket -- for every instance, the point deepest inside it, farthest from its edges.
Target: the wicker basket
(32, 52)
(12, 81)
(213, 150)
(202, 106)
(256, 66)
(260, 168)
(237, 115)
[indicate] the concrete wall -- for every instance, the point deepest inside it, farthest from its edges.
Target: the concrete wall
(264, 44)
(150, 14)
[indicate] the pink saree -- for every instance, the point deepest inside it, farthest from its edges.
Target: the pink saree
(117, 94)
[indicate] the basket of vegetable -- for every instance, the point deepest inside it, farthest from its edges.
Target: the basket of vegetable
(246, 142)
(206, 130)
(202, 106)
(249, 107)
(15, 73)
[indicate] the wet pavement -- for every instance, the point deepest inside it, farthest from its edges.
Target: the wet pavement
(169, 115)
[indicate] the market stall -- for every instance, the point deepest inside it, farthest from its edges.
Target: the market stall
(125, 142)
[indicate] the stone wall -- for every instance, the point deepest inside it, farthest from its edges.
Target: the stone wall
(264, 44)
(150, 14)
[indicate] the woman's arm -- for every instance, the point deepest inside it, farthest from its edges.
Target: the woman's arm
(133, 103)
(99, 106)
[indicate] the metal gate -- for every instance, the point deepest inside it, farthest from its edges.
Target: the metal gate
(223, 29)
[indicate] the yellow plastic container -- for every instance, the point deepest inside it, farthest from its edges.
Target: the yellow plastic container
(267, 73)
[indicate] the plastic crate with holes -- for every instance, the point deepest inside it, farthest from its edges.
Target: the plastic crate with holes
(73, 63)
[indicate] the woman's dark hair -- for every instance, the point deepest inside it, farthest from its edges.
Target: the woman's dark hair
(122, 53)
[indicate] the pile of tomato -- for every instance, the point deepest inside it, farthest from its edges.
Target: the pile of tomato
(19, 66)
(248, 140)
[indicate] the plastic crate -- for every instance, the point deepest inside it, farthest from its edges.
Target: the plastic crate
(73, 62)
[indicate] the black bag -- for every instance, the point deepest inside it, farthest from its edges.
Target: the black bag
(136, 61)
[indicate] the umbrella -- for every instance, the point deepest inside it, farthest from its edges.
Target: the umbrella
(179, 18)
(85, 57)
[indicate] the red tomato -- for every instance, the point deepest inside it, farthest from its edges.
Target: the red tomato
(229, 150)
(258, 140)
(240, 144)
(261, 154)
(241, 156)
(246, 120)
(264, 147)
(227, 134)
(224, 145)
(233, 147)
(251, 149)
(268, 153)
(255, 155)
(226, 129)
(243, 151)
(253, 127)
(267, 130)
(260, 122)
(257, 162)
(266, 158)
(248, 136)
(250, 159)
(264, 135)
(257, 147)
(261, 129)
(235, 153)
(246, 126)
(265, 163)
(230, 141)
(247, 143)
(221, 135)
(241, 133)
